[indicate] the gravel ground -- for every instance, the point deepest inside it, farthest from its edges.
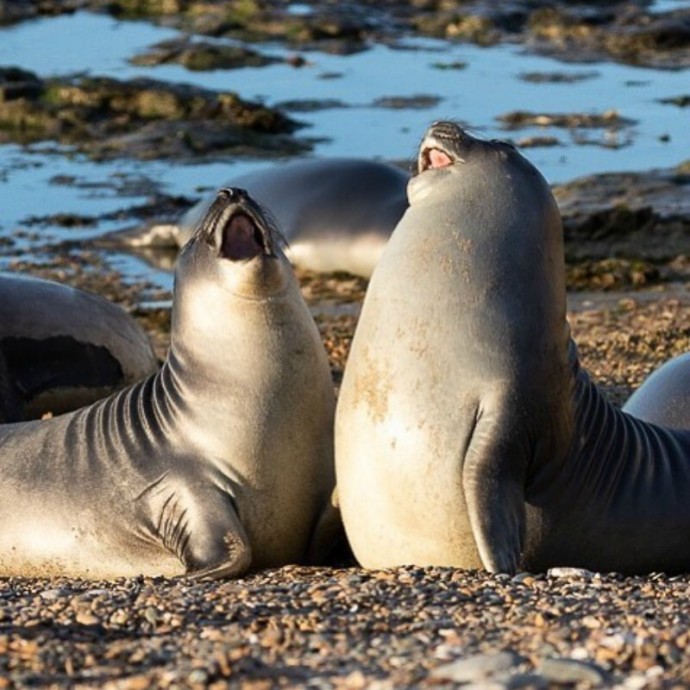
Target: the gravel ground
(348, 628)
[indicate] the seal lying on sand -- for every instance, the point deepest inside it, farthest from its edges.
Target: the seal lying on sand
(336, 213)
(63, 348)
(664, 397)
(11, 408)
(219, 462)
(466, 432)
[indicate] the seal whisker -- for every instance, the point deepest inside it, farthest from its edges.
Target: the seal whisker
(274, 226)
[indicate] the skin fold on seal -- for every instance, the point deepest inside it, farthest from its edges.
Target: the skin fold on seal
(218, 463)
(62, 348)
(335, 213)
(466, 432)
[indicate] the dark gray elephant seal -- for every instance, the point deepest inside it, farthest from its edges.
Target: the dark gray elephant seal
(219, 462)
(336, 213)
(62, 348)
(466, 432)
(11, 408)
(664, 397)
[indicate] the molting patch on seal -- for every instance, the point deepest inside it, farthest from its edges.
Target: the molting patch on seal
(65, 347)
(10, 405)
(60, 361)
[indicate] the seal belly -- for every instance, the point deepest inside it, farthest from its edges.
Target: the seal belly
(401, 495)
(402, 426)
(47, 545)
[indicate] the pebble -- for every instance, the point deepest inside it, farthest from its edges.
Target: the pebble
(477, 668)
(347, 628)
(572, 573)
(573, 671)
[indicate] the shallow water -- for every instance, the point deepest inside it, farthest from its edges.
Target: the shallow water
(489, 85)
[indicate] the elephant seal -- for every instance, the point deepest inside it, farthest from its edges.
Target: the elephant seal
(10, 405)
(219, 462)
(336, 213)
(664, 397)
(63, 348)
(466, 432)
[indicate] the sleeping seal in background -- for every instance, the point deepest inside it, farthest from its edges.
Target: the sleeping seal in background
(664, 397)
(219, 462)
(335, 213)
(62, 348)
(466, 432)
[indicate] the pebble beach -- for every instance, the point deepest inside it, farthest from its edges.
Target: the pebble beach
(349, 628)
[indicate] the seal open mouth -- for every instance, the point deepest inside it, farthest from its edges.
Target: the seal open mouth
(433, 158)
(235, 225)
(242, 238)
(441, 146)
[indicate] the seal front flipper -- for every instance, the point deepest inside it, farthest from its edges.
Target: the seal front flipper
(196, 520)
(493, 482)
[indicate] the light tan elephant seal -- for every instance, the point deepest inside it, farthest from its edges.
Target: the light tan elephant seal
(466, 432)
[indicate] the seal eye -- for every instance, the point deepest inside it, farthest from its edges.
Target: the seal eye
(242, 239)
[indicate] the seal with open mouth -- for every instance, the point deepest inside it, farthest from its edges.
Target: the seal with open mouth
(219, 462)
(466, 432)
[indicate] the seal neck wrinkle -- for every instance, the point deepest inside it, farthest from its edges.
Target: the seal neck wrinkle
(611, 450)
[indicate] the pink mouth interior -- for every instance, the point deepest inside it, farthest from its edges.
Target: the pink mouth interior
(439, 159)
(240, 240)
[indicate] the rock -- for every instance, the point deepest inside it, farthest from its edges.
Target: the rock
(560, 670)
(573, 573)
(141, 118)
(477, 668)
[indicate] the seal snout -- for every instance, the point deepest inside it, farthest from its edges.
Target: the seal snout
(440, 146)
